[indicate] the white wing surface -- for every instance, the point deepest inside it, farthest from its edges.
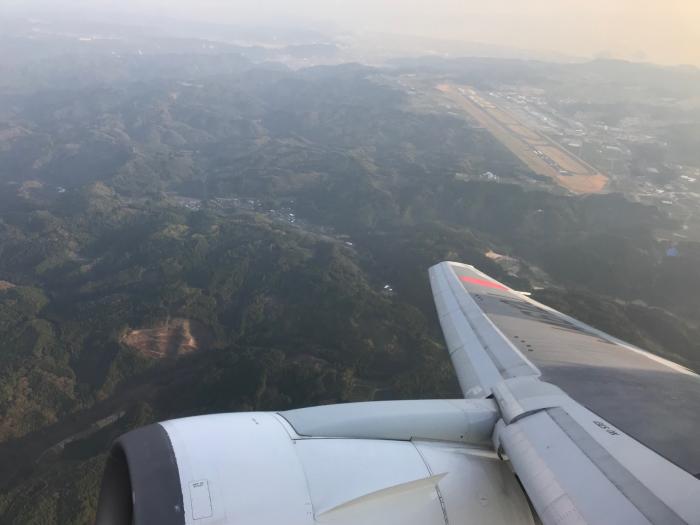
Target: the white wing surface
(598, 430)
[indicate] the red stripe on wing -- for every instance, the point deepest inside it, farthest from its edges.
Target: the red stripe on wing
(482, 282)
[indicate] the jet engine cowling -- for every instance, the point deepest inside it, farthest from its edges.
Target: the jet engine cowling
(256, 468)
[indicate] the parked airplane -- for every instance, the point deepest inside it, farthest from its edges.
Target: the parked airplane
(560, 424)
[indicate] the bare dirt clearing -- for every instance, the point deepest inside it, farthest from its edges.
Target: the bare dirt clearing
(173, 338)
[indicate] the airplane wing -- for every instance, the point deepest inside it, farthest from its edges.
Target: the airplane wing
(597, 430)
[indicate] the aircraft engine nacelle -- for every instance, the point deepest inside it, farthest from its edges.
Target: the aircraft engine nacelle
(404, 462)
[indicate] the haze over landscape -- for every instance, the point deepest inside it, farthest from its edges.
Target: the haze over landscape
(231, 206)
(656, 31)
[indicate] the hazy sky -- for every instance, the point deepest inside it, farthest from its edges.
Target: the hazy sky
(666, 31)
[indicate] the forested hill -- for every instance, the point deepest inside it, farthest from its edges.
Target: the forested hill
(186, 233)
